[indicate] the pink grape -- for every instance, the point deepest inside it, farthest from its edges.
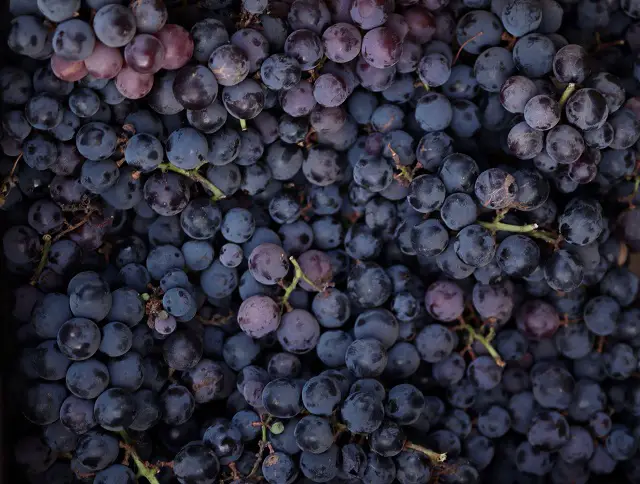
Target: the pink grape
(145, 54)
(105, 62)
(259, 316)
(132, 84)
(66, 70)
(178, 46)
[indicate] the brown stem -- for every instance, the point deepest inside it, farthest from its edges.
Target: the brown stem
(75, 226)
(434, 457)
(455, 59)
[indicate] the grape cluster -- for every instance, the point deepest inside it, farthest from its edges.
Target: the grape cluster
(342, 241)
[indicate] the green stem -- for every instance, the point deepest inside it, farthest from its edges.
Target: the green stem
(568, 91)
(521, 229)
(44, 258)
(297, 276)
(530, 230)
(486, 342)
(141, 469)
(546, 236)
(434, 457)
(243, 124)
(261, 446)
(197, 177)
(500, 215)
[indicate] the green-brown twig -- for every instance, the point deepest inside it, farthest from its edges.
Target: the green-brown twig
(142, 469)
(44, 258)
(485, 341)
(297, 276)
(531, 230)
(434, 457)
(197, 177)
(568, 91)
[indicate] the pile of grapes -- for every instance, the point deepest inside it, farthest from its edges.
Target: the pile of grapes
(321, 241)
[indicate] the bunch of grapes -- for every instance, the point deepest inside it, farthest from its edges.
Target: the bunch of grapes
(341, 241)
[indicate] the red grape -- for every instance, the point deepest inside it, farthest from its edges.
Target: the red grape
(178, 46)
(105, 62)
(132, 84)
(145, 54)
(66, 70)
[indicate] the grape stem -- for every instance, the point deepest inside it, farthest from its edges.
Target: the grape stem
(500, 214)
(197, 177)
(9, 181)
(216, 319)
(297, 276)
(497, 226)
(243, 124)
(75, 226)
(263, 444)
(605, 45)
(629, 198)
(434, 457)
(530, 229)
(44, 258)
(568, 91)
(464, 44)
(483, 340)
(143, 469)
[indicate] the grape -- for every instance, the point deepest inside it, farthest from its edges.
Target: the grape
(571, 64)
(433, 112)
(254, 45)
(132, 84)
(43, 112)
(298, 332)
(329, 90)
(208, 34)
(521, 17)
(27, 36)
(84, 102)
(258, 316)
(533, 54)
(474, 22)
(381, 47)
(495, 188)
(305, 47)
(342, 42)
(515, 92)
(279, 467)
(229, 64)
(542, 112)
(144, 152)
(244, 100)
(310, 15)
(114, 25)
(178, 46)
(96, 450)
(69, 71)
(195, 462)
(144, 54)
(362, 412)
(186, 148)
(150, 15)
